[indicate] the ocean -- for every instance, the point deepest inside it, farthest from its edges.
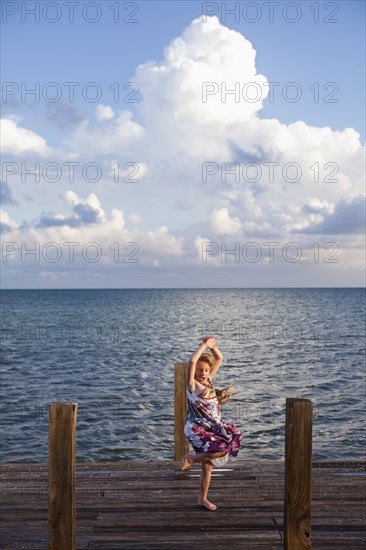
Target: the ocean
(114, 351)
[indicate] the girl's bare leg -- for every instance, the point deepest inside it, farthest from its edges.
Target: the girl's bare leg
(199, 457)
(204, 485)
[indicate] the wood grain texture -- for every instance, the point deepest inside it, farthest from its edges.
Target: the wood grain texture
(181, 446)
(298, 474)
(62, 476)
(148, 505)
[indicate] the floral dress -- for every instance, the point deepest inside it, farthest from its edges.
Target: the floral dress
(204, 428)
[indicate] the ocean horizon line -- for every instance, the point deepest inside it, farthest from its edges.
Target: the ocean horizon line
(197, 288)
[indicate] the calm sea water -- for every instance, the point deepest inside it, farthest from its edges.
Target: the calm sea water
(113, 352)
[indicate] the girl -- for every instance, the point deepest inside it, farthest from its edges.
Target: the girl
(211, 438)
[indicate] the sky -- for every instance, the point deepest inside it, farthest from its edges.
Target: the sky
(182, 144)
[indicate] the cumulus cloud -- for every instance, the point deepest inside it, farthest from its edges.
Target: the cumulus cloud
(270, 180)
(198, 70)
(115, 135)
(174, 116)
(89, 223)
(315, 206)
(173, 132)
(16, 140)
(86, 211)
(347, 218)
(221, 223)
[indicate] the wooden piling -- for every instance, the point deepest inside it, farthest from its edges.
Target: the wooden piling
(181, 446)
(61, 476)
(298, 474)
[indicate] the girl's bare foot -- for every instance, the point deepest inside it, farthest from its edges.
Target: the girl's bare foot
(187, 463)
(207, 504)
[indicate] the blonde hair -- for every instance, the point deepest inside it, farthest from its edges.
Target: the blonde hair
(226, 393)
(207, 358)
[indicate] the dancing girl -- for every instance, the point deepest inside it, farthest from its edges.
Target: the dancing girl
(211, 438)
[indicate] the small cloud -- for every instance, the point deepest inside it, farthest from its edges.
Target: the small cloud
(221, 222)
(104, 112)
(86, 211)
(7, 224)
(18, 141)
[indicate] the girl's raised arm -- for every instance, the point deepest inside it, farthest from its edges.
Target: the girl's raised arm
(192, 365)
(218, 360)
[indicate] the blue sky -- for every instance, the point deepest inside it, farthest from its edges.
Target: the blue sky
(169, 137)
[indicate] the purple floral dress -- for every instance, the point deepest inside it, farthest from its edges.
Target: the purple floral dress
(204, 428)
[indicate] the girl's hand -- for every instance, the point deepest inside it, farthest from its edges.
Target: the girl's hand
(210, 341)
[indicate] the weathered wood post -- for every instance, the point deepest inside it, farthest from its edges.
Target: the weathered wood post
(298, 462)
(61, 476)
(181, 446)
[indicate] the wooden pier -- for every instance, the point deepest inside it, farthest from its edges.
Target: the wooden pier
(149, 505)
(295, 504)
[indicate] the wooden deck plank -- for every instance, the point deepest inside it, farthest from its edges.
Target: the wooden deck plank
(149, 505)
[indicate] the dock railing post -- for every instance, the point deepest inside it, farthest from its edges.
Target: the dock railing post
(298, 474)
(181, 446)
(61, 476)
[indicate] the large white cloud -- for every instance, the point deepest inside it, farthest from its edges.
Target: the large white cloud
(199, 70)
(175, 118)
(174, 132)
